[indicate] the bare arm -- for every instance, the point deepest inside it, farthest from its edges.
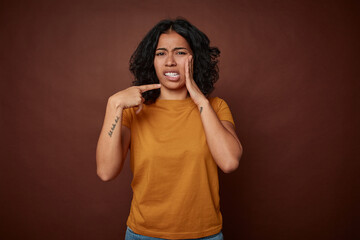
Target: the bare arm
(114, 138)
(221, 138)
(113, 144)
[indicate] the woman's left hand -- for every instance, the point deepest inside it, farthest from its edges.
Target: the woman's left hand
(194, 91)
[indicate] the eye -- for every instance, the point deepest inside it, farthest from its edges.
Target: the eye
(181, 53)
(160, 54)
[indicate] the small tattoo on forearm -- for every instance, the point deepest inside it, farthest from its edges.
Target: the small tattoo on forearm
(113, 126)
(201, 108)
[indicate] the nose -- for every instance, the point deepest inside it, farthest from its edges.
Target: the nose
(170, 61)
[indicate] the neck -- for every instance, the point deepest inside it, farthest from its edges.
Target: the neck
(167, 94)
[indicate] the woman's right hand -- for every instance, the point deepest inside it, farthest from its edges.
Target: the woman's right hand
(131, 97)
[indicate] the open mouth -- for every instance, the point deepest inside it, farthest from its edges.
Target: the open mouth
(172, 76)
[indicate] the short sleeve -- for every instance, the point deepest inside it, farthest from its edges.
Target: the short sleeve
(126, 117)
(222, 110)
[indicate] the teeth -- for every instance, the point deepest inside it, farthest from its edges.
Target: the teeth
(172, 74)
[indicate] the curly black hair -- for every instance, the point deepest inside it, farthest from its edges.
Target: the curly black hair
(206, 71)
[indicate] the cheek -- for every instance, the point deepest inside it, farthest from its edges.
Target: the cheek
(157, 66)
(181, 64)
(156, 63)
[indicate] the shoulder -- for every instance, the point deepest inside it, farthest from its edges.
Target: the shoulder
(221, 109)
(128, 111)
(128, 115)
(217, 103)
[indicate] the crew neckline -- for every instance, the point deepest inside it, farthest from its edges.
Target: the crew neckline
(174, 102)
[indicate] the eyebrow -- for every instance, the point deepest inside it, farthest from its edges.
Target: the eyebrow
(177, 48)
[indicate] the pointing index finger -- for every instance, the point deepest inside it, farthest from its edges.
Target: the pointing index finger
(144, 88)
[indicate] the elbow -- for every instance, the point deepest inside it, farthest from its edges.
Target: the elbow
(231, 167)
(104, 176)
(233, 164)
(105, 171)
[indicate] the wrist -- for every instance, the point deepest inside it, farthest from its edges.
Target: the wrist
(115, 105)
(203, 102)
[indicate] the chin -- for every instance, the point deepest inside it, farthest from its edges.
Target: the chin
(174, 85)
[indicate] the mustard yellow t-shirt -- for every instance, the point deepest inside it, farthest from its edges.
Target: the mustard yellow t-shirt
(175, 179)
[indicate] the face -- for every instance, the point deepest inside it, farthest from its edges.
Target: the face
(169, 62)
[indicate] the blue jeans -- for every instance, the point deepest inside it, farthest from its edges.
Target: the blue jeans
(130, 235)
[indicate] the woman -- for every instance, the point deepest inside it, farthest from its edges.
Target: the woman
(177, 136)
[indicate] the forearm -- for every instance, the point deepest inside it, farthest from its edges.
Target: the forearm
(114, 140)
(224, 146)
(109, 152)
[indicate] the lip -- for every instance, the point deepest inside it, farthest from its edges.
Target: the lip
(172, 78)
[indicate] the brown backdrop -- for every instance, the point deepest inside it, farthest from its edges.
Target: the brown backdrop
(289, 71)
